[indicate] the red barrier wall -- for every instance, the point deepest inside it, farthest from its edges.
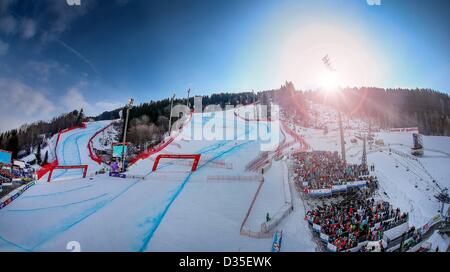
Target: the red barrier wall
(92, 154)
(46, 168)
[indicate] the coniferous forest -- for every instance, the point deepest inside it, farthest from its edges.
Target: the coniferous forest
(427, 109)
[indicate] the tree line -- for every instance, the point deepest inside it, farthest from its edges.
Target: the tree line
(427, 109)
(385, 108)
(31, 137)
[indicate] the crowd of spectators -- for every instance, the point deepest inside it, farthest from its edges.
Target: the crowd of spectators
(8, 174)
(353, 221)
(323, 169)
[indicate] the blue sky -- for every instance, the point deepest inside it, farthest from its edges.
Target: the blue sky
(55, 57)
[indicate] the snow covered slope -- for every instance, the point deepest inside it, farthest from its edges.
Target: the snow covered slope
(72, 149)
(170, 209)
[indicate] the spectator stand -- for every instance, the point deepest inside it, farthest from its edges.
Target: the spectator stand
(351, 224)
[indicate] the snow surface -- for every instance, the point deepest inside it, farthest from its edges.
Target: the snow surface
(171, 209)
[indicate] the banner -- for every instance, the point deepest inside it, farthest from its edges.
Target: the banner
(16, 195)
(359, 183)
(324, 237)
(339, 188)
(320, 192)
(331, 247)
(5, 157)
(117, 150)
(407, 129)
(277, 238)
(317, 228)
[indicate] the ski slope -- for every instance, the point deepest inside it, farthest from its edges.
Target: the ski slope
(171, 209)
(72, 150)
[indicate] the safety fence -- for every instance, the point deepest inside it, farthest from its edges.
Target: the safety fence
(405, 129)
(304, 145)
(92, 154)
(287, 207)
(247, 232)
(46, 168)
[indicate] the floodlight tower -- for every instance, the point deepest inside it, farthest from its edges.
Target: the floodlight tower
(128, 106)
(170, 112)
(189, 92)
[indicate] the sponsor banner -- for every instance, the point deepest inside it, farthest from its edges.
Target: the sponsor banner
(117, 150)
(435, 219)
(16, 195)
(317, 228)
(320, 192)
(331, 247)
(117, 175)
(406, 129)
(339, 188)
(5, 157)
(276, 245)
(324, 237)
(359, 183)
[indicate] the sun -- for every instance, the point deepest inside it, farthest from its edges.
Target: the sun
(329, 81)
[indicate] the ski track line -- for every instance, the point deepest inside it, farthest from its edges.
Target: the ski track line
(58, 206)
(58, 193)
(88, 213)
(14, 244)
(158, 219)
(103, 204)
(77, 136)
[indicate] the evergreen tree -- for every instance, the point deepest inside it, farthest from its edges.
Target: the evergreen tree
(13, 144)
(38, 155)
(45, 158)
(80, 118)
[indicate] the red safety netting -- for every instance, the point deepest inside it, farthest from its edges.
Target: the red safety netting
(92, 154)
(46, 168)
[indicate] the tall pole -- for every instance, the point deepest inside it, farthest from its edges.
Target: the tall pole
(128, 106)
(342, 137)
(170, 113)
(364, 155)
(187, 104)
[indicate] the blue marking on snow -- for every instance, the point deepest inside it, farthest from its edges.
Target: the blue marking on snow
(58, 206)
(58, 193)
(157, 219)
(73, 144)
(14, 244)
(84, 215)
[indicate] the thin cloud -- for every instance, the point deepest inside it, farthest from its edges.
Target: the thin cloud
(4, 47)
(22, 104)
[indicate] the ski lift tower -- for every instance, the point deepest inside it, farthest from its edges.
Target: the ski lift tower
(444, 198)
(417, 149)
(364, 154)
